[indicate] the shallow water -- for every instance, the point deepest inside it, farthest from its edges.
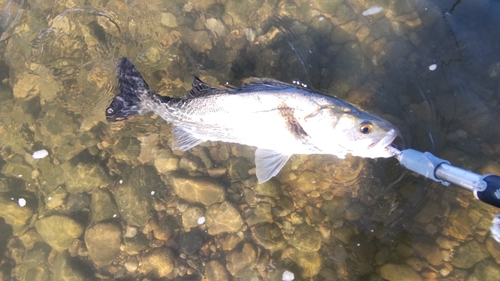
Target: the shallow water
(113, 201)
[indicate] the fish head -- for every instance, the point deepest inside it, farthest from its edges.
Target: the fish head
(365, 135)
(348, 130)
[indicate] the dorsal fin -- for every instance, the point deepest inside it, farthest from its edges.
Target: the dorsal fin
(200, 88)
(262, 84)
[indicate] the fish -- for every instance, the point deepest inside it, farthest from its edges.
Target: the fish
(277, 118)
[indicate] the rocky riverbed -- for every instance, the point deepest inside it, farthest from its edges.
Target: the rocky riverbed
(82, 199)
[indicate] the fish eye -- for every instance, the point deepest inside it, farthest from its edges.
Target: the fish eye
(365, 127)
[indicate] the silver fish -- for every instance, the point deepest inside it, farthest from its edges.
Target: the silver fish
(278, 118)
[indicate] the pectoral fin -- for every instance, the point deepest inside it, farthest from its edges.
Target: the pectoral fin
(184, 140)
(268, 163)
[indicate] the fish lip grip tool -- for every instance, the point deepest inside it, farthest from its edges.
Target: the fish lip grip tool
(486, 188)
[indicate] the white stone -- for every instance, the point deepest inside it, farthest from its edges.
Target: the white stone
(372, 11)
(130, 232)
(201, 220)
(40, 154)
(432, 67)
(21, 202)
(288, 276)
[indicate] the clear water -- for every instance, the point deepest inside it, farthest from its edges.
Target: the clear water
(430, 67)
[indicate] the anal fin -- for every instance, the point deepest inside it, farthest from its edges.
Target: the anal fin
(269, 163)
(184, 140)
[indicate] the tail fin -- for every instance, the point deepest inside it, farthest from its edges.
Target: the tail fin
(133, 89)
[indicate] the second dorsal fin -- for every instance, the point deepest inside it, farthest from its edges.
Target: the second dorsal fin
(200, 88)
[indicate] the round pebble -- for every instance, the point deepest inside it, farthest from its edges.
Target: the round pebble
(372, 11)
(21, 202)
(40, 154)
(288, 276)
(201, 220)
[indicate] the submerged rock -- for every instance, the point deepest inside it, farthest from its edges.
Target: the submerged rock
(17, 167)
(459, 224)
(64, 268)
(223, 217)
(58, 231)
(238, 167)
(78, 179)
(127, 149)
(485, 271)
(52, 174)
(135, 245)
(77, 202)
(362, 248)
(199, 41)
(310, 262)
(157, 263)
(58, 127)
(216, 271)
(270, 188)
(355, 211)
(197, 190)
(493, 247)
(191, 242)
(239, 10)
(34, 264)
(314, 214)
(216, 26)
(102, 206)
(168, 20)
(469, 254)
(191, 216)
(229, 241)
(14, 214)
(269, 236)
(351, 68)
(55, 198)
(237, 262)
(430, 251)
(165, 162)
(134, 197)
(306, 239)
(43, 84)
(308, 181)
(398, 272)
(335, 208)
(261, 213)
(166, 228)
(328, 6)
(103, 242)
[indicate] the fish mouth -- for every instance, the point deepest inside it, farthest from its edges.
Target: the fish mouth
(385, 141)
